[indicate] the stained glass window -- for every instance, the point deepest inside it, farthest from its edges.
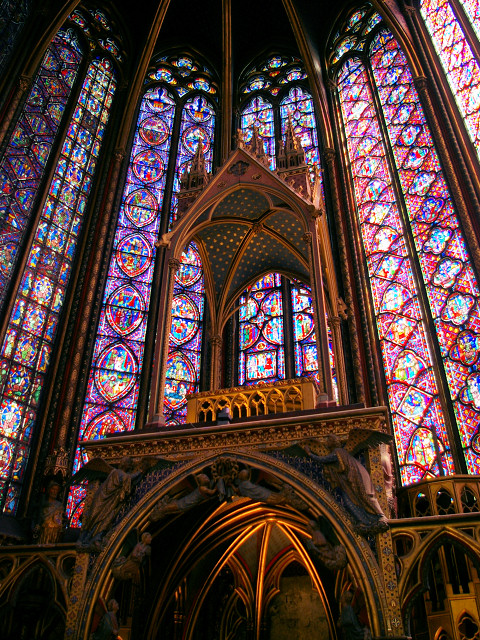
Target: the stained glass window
(305, 345)
(289, 101)
(297, 107)
(456, 56)
(262, 351)
(197, 127)
(427, 209)
(26, 349)
(184, 353)
(23, 164)
(114, 379)
(12, 18)
(258, 114)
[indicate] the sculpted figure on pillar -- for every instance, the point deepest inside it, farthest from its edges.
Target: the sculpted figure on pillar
(347, 474)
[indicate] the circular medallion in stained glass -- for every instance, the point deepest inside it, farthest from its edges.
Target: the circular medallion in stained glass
(193, 136)
(248, 334)
(5, 455)
(190, 269)
(272, 304)
(134, 255)
(185, 317)
(148, 166)
(141, 207)
(273, 331)
(10, 418)
(476, 443)
(125, 309)
(115, 372)
(303, 324)
(101, 425)
(199, 110)
(180, 380)
(154, 130)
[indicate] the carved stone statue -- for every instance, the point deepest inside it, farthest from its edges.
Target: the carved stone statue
(108, 626)
(348, 621)
(346, 473)
(48, 528)
(333, 557)
(128, 568)
(106, 503)
(168, 506)
(248, 489)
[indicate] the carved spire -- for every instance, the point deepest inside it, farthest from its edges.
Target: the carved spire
(256, 147)
(193, 180)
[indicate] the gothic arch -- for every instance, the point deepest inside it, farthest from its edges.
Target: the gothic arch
(361, 558)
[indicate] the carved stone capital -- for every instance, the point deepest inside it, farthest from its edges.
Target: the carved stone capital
(174, 265)
(334, 321)
(24, 82)
(216, 341)
(329, 154)
(307, 237)
(57, 462)
(119, 154)
(421, 83)
(410, 10)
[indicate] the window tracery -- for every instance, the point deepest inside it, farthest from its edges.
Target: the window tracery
(419, 201)
(175, 94)
(27, 346)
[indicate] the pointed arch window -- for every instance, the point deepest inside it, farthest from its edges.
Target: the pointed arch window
(275, 93)
(454, 27)
(277, 332)
(415, 201)
(26, 348)
(178, 97)
(184, 351)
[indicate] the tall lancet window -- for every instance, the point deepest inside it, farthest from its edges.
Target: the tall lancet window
(277, 332)
(178, 97)
(273, 95)
(276, 103)
(448, 23)
(412, 208)
(26, 347)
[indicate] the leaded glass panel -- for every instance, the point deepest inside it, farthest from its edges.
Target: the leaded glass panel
(419, 426)
(23, 164)
(27, 347)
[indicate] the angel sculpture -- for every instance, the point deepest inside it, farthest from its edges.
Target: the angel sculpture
(167, 506)
(333, 557)
(247, 488)
(128, 567)
(346, 473)
(109, 497)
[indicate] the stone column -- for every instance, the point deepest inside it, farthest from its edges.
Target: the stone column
(216, 344)
(318, 299)
(334, 323)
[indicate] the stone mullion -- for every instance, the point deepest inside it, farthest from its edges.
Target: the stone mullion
(334, 323)
(330, 158)
(319, 311)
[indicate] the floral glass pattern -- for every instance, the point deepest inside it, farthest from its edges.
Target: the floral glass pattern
(449, 278)
(412, 388)
(258, 114)
(184, 352)
(457, 58)
(23, 164)
(27, 346)
(262, 350)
